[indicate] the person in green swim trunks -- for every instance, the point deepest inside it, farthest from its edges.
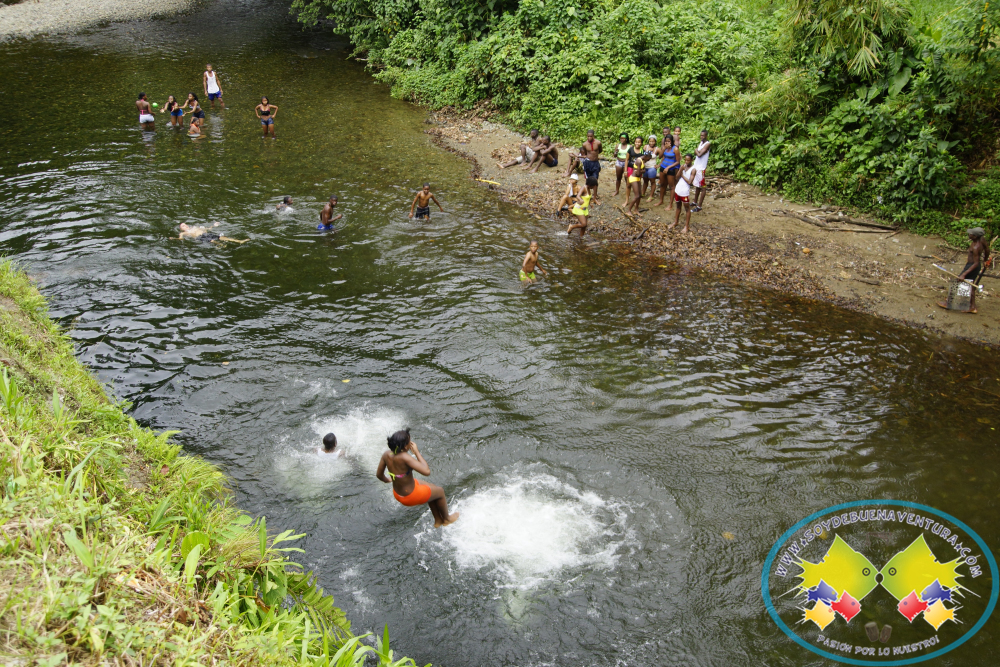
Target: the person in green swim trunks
(582, 208)
(531, 260)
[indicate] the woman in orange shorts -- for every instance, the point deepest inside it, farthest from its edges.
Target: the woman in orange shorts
(402, 459)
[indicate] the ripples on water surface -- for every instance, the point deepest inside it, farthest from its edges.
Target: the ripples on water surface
(599, 432)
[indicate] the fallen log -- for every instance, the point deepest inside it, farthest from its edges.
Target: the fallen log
(799, 216)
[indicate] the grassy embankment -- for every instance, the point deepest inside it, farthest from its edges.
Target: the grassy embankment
(891, 107)
(117, 549)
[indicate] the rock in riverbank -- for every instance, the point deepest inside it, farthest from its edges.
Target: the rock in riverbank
(38, 17)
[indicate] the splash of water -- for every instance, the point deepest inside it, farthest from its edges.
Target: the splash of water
(534, 527)
(362, 432)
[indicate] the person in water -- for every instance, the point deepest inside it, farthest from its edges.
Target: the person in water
(213, 86)
(198, 233)
(402, 459)
(422, 203)
(197, 115)
(174, 108)
(286, 204)
(979, 256)
(325, 216)
(146, 117)
(266, 113)
(330, 445)
(531, 260)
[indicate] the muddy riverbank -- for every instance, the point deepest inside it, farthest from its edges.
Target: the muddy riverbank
(740, 235)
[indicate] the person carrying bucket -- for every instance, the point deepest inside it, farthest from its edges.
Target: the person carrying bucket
(402, 459)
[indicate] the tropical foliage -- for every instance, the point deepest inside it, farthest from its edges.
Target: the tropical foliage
(116, 549)
(881, 104)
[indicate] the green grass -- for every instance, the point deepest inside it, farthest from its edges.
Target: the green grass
(117, 549)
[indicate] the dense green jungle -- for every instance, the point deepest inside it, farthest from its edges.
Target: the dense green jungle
(886, 106)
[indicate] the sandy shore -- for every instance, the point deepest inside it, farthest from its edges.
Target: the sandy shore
(36, 17)
(888, 274)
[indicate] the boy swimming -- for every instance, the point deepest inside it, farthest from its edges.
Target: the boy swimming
(330, 446)
(422, 203)
(202, 234)
(531, 260)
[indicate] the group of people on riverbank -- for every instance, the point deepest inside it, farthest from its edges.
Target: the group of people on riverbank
(644, 165)
(212, 86)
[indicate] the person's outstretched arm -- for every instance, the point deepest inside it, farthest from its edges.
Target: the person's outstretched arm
(436, 202)
(414, 204)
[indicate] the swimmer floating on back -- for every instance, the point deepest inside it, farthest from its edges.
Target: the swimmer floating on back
(202, 234)
(399, 465)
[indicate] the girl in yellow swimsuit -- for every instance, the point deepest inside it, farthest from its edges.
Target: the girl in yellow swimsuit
(635, 185)
(399, 463)
(581, 210)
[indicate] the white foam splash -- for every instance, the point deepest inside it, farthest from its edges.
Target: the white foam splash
(362, 432)
(534, 527)
(361, 437)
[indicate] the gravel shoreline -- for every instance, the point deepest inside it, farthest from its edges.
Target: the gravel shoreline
(37, 17)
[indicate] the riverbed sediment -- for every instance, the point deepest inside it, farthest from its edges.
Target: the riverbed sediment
(39, 17)
(741, 233)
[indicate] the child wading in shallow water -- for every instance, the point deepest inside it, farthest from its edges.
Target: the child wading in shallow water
(531, 261)
(422, 203)
(399, 463)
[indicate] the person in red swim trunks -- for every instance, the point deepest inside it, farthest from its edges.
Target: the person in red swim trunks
(402, 459)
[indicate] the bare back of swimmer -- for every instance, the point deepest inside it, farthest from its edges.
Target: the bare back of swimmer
(399, 463)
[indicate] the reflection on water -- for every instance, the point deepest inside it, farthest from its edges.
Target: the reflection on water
(600, 432)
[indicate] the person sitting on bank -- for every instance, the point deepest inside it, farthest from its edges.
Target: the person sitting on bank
(402, 459)
(569, 197)
(547, 153)
(527, 151)
(978, 258)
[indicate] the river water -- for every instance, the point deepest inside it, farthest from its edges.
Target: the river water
(625, 442)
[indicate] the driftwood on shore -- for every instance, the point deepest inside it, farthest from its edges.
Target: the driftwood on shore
(825, 221)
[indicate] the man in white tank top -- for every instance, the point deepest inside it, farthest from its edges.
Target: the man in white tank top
(701, 164)
(213, 87)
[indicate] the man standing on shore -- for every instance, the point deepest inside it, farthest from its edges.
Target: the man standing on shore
(701, 164)
(590, 158)
(213, 87)
(979, 255)
(527, 151)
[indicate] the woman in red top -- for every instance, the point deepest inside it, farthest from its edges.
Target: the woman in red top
(399, 463)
